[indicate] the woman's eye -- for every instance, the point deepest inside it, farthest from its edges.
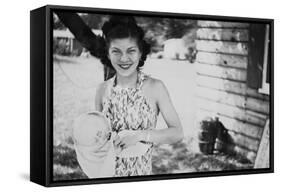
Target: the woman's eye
(132, 51)
(115, 52)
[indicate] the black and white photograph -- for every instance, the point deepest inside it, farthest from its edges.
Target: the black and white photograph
(138, 96)
(151, 94)
(122, 95)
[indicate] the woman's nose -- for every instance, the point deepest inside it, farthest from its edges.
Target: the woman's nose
(124, 58)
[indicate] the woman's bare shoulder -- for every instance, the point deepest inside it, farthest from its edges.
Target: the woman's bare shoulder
(158, 90)
(155, 85)
(101, 88)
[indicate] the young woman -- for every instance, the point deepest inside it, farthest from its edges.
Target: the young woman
(132, 100)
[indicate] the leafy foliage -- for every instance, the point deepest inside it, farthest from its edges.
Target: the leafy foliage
(157, 29)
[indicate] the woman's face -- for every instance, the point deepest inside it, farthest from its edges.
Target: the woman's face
(124, 55)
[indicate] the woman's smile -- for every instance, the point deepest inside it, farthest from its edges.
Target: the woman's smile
(124, 55)
(125, 66)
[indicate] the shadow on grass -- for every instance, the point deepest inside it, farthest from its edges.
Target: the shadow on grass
(166, 159)
(177, 158)
(63, 59)
(66, 166)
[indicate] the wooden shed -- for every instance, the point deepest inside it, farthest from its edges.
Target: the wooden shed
(233, 80)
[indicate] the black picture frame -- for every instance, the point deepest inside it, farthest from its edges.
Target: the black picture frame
(41, 99)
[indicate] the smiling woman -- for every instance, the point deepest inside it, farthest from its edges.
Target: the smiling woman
(132, 100)
(123, 27)
(124, 55)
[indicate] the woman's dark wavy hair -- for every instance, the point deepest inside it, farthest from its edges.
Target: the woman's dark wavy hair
(122, 27)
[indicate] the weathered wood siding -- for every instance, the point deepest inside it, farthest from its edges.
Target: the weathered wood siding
(222, 91)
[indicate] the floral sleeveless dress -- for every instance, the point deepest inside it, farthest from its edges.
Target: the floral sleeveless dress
(129, 109)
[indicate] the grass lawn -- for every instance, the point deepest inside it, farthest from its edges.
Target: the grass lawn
(166, 159)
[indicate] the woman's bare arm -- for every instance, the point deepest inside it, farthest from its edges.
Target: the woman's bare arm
(99, 95)
(174, 132)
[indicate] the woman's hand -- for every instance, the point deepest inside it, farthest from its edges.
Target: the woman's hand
(127, 138)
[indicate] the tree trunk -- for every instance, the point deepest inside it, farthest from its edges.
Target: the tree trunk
(81, 31)
(85, 36)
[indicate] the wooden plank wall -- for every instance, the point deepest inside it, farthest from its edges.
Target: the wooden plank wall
(222, 91)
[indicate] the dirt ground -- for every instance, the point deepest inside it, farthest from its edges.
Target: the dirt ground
(75, 82)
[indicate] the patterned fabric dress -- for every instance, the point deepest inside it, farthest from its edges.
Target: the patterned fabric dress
(129, 109)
